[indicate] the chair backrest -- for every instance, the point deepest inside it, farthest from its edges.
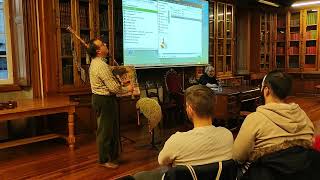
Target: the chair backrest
(150, 87)
(173, 81)
(228, 171)
(294, 163)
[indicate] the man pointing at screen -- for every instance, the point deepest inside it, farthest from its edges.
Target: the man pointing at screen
(104, 87)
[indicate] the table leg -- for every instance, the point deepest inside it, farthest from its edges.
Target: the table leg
(71, 137)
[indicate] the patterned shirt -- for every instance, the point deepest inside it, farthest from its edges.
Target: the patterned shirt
(102, 81)
(201, 145)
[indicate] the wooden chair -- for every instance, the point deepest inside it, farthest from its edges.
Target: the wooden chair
(173, 82)
(317, 87)
(168, 107)
(151, 110)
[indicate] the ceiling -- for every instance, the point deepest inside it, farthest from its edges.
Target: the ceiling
(250, 3)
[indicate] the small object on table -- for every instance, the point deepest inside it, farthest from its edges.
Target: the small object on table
(8, 105)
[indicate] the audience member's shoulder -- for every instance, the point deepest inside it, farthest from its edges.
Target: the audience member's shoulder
(255, 117)
(176, 135)
(224, 130)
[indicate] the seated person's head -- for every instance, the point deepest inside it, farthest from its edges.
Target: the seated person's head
(199, 102)
(276, 86)
(209, 71)
(97, 48)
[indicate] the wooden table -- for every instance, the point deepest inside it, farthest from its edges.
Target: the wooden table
(228, 102)
(40, 107)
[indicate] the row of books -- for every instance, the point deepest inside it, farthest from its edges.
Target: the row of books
(293, 50)
(280, 63)
(262, 60)
(86, 38)
(281, 37)
(312, 18)
(295, 22)
(67, 74)
(84, 16)
(103, 16)
(281, 22)
(312, 34)
(280, 50)
(311, 50)
(66, 49)
(294, 63)
(295, 36)
(65, 14)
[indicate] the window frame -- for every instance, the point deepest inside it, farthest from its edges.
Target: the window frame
(9, 47)
(17, 46)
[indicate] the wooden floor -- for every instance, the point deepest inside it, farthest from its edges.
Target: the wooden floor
(53, 160)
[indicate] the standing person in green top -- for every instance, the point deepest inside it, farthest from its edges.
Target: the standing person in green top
(104, 87)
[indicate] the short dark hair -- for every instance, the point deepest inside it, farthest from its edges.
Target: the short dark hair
(280, 83)
(200, 98)
(92, 48)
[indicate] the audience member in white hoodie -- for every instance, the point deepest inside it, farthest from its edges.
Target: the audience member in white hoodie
(274, 126)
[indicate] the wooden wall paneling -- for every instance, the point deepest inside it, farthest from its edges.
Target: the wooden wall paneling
(255, 42)
(111, 30)
(243, 41)
(13, 49)
(31, 31)
(58, 33)
(302, 48)
(233, 41)
(318, 41)
(48, 47)
(287, 40)
(75, 16)
(20, 46)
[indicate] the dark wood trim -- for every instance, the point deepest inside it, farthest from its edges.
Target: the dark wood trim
(32, 45)
(21, 66)
(13, 53)
(48, 38)
(11, 87)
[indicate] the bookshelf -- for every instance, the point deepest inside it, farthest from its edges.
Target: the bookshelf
(266, 41)
(65, 40)
(310, 40)
(89, 19)
(212, 34)
(224, 39)
(281, 36)
(294, 41)
(221, 37)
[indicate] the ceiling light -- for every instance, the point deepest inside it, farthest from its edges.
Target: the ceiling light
(305, 3)
(268, 3)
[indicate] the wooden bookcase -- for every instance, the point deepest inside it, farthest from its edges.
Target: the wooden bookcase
(310, 40)
(267, 32)
(281, 45)
(294, 41)
(298, 41)
(221, 37)
(89, 19)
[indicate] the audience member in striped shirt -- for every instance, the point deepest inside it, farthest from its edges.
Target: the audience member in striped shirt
(204, 144)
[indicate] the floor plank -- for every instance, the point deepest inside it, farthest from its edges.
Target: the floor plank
(53, 160)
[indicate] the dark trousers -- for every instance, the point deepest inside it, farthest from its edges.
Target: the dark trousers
(108, 127)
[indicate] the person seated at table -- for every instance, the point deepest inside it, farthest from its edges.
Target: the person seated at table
(208, 77)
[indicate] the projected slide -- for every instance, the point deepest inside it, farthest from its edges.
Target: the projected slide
(165, 33)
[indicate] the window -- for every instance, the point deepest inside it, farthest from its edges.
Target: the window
(6, 67)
